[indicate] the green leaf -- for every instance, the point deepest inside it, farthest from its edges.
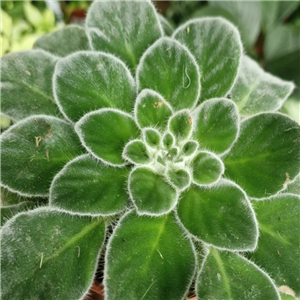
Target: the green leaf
(226, 275)
(162, 256)
(217, 47)
(107, 144)
(180, 179)
(6, 24)
(26, 84)
(189, 148)
(207, 168)
(170, 69)
(150, 193)
(291, 107)
(168, 140)
(136, 152)
(166, 25)
(220, 215)
(87, 186)
(278, 246)
(32, 14)
(217, 124)
(129, 28)
(151, 137)
(180, 125)
(33, 151)
(285, 296)
(256, 91)
(266, 154)
(47, 254)
(64, 41)
(151, 109)
(293, 187)
(86, 81)
(246, 16)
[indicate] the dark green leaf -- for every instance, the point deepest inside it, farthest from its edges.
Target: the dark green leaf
(151, 137)
(136, 152)
(180, 125)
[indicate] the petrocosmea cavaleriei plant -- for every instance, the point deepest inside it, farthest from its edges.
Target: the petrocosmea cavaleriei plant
(165, 152)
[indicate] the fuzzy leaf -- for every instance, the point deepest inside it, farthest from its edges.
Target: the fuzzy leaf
(129, 28)
(136, 152)
(216, 45)
(151, 137)
(266, 155)
(33, 151)
(180, 125)
(150, 193)
(181, 179)
(293, 187)
(162, 256)
(86, 81)
(217, 124)
(107, 144)
(168, 140)
(169, 68)
(86, 185)
(256, 91)
(151, 109)
(227, 275)
(223, 214)
(64, 41)
(166, 25)
(26, 84)
(278, 246)
(207, 168)
(189, 148)
(49, 255)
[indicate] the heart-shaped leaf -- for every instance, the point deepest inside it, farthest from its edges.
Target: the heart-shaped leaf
(87, 186)
(163, 257)
(180, 179)
(217, 48)
(101, 81)
(169, 68)
(151, 137)
(36, 244)
(136, 152)
(180, 125)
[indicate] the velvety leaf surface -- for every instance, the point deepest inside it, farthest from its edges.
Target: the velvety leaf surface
(226, 275)
(117, 128)
(86, 81)
(136, 152)
(151, 109)
(152, 137)
(166, 25)
(26, 84)
(294, 187)
(180, 125)
(217, 124)
(129, 28)
(64, 41)
(266, 154)
(181, 179)
(278, 246)
(216, 45)
(256, 91)
(86, 185)
(169, 68)
(156, 262)
(49, 255)
(189, 148)
(220, 215)
(33, 151)
(207, 168)
(150, 193)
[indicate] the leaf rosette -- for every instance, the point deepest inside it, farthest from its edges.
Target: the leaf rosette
(153, 136)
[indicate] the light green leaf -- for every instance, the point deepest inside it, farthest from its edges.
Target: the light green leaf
(278, 246)
(266, 154)
(32, 14)
(86, 81)
(166, 25)
(87, 186)
(180, 179)
(230, 276)
(207, 168)
(33, 151)
(256, 91)
(150, 193)
(162, 256)
(180, 125)
(216, 45)
(246, 16)
(136, 152)
(129, 28)
(291, 107)
(6, 24)
(168, 140)
(293, 187)
(151, 137)
(64, 41)
(47, 254)
(26, 84)
(217, 124)
(170, 69)
(220, 215)
(107, 144)
(285, 296)
(151, 109)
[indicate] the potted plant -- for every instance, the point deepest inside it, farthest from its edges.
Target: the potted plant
(164, 156)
